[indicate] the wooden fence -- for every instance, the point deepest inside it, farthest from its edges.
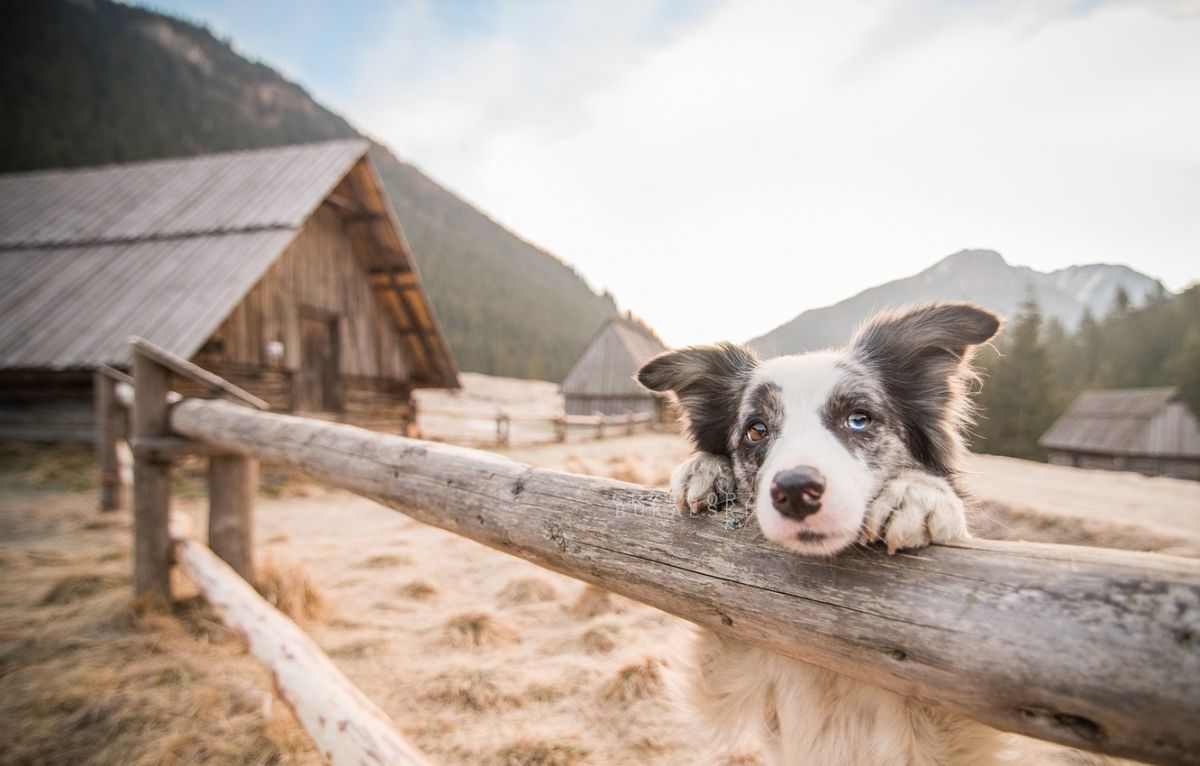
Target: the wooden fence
(504, 428)
(1093, 648)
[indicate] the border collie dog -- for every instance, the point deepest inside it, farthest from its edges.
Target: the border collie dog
(829, 449)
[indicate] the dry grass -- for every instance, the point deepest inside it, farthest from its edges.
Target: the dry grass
(81, 586)
(474, 690)
(287, 586)
(526, 590)
(386, 561)
(417, 590)
(599, 640)
(471, 630)
(593, 602)
(526, 752)
(87, 676)
(999, 521)
(636, 681)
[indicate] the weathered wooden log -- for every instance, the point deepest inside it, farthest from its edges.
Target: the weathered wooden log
(232, 484)
(346, 726)
(1093, 648)
(151, 484)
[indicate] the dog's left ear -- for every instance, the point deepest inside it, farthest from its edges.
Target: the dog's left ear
(923, 358)
(708, 381)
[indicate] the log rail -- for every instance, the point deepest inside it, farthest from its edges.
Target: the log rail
(1097, 649)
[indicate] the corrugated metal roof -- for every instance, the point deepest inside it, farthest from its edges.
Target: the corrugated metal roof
(1108, 422)
(608, 365)
(236, 191)
(167, 249)
(77, 306)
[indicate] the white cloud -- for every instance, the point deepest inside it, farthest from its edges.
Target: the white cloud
(727, 171)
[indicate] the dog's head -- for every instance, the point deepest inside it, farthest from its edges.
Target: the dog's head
(813, 437)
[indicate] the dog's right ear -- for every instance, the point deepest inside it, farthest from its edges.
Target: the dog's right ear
(708, 381)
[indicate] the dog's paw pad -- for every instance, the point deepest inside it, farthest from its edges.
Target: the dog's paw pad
(914, 510)
(704, 484)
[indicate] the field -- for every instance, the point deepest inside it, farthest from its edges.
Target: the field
(479, 657)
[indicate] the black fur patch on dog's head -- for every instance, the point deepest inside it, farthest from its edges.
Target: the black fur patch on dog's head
(922, 357)
(708, 382)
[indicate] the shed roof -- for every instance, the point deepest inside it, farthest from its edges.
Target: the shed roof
(167, 249)
(608, 363)
(1116, 421)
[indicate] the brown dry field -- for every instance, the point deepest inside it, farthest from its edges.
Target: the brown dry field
(480, 658)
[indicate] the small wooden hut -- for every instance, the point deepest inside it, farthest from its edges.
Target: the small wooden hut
(1148, 430)
(282, 270)
(601, 382)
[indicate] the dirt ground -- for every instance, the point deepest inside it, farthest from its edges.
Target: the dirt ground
(479, 657)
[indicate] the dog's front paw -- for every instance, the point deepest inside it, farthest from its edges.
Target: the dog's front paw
(913, 510)
(704, 483)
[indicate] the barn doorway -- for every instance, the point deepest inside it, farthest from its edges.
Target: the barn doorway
(317, 388)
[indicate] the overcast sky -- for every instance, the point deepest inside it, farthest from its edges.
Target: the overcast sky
(722, 166)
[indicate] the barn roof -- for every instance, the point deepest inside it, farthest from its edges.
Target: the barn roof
(608, 363)
(1117, 421)
(167, 249)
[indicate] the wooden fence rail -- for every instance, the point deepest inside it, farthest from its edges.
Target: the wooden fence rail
(1093, 648)
(537, 428)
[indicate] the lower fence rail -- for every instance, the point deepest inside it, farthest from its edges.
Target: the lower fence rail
(345, 725)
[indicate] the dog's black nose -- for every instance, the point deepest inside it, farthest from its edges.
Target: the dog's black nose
(796, 492)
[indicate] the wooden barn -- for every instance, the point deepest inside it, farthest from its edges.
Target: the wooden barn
(282, 270)
(1148, 430)
(601, 382)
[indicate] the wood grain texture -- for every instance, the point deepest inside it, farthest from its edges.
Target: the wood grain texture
(346, 727)
(1093, 648)
(151, 484)
(111, 429)
(232, 484)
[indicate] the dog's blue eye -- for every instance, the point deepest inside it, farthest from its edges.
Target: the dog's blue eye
(858, 421)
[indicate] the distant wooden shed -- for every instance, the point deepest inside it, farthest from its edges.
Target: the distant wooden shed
(1148, 430)
(283, 270)
(601, 382)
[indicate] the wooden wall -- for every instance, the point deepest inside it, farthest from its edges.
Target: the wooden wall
(1173, 467)
(318, 272)
(47, 406)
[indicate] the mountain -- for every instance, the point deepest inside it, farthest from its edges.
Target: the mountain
(88, 82)
(982, 276)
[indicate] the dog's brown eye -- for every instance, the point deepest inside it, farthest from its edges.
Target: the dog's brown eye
(757, 431)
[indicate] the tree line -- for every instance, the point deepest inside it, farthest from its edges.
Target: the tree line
(1033, 372)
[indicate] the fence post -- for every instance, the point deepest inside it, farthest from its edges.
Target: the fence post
(560, 429)
(111, 428)
(502, 429)
(152, 482)
(232, 482)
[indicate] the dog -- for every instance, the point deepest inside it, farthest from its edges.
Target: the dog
(831, 449)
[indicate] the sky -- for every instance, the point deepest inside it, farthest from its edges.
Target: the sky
(723, 165)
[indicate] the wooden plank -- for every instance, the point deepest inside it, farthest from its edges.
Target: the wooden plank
(345, 725)
(111, 429)
(151, 484)
(232, 484)
(167, 448)
(183, 367)
(1092, 648)
(114, 374)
